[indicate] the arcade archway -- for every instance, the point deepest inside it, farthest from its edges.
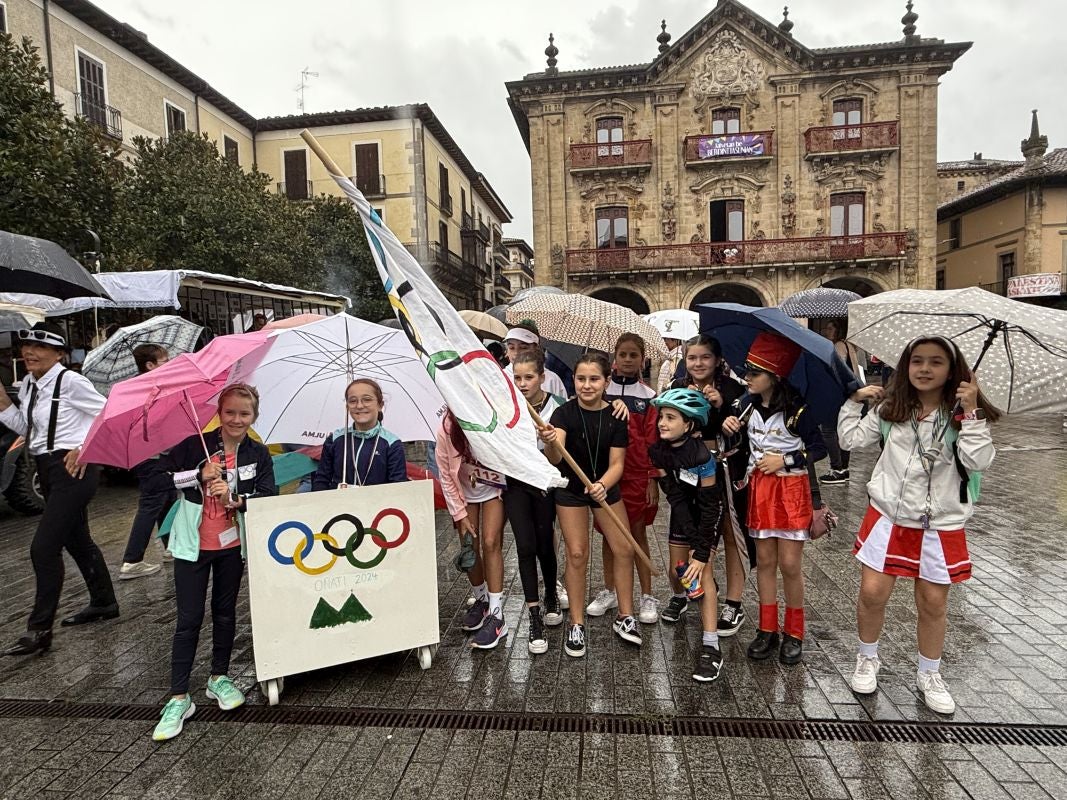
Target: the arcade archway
(727, 293)
(626, 298)
(861, 286)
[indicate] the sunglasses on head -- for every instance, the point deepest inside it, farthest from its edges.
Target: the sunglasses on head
(44, 337)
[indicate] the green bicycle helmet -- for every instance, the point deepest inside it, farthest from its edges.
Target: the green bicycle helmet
(689, 402)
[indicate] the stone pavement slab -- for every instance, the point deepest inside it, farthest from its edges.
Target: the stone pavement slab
(1005, 660)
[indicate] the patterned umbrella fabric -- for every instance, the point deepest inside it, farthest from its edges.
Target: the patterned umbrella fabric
(823, 302)
(530, 291)
(38, 266)
(585, 323)
(1025, 366)
(113, 361)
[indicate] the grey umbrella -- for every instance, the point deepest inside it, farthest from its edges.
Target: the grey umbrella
(38, 266)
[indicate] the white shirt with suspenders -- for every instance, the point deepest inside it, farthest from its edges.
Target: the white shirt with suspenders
(65, 407)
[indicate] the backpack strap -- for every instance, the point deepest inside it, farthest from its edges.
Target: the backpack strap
(53, 414)
(952, 438)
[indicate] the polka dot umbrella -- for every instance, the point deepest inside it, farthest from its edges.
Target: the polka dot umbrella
(1018, 350)
(822, 302)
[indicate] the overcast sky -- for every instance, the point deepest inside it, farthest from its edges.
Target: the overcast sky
(456, 56)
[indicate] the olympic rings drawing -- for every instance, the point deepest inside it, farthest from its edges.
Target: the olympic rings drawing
(303, 546)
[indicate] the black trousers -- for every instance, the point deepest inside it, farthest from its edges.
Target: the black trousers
(65, 525)
(838, 458)
(225, 568)
(532, 513)
(152, 510)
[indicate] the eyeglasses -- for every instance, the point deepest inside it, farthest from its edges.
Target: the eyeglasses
(44, 337)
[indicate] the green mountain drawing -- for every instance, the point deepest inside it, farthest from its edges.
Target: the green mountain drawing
(326, 616)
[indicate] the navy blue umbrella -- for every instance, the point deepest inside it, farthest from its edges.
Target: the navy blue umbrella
(820, 375)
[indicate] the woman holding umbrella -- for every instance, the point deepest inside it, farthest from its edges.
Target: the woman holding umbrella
(919, 499)
(57, 407)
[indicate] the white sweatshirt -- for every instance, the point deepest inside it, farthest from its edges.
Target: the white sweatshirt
(897, 487)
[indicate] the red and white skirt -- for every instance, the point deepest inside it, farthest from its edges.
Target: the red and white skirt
(779, 507)
(934, 556)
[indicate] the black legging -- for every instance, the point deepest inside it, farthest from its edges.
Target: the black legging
(225, 568)
(532, 514)
(839, 457)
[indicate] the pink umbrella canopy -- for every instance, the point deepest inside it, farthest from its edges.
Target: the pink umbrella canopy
(151, 413)
(292, 322)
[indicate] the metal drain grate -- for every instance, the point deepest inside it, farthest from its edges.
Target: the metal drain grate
(812, 730)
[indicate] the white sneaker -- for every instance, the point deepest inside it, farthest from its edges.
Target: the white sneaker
(602, 603)
(561, 593)
(648, 611)
(140, 569)
(935, 693)
(165, 554)
(865, 678)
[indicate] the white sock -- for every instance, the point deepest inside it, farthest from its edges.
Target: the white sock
(710, 639)
(929, 664)
(681, 594)
(496, 601)
(481, 591)
(869, 650)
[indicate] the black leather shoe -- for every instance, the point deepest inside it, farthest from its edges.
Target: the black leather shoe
(91, 614)
(32, 642)
(792, 650)
(764, 645)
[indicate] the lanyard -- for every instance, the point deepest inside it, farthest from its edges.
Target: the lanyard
(355, 459)
(594, 452)
(928, 456)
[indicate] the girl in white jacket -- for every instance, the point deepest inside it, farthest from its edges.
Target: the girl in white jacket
(933, 424)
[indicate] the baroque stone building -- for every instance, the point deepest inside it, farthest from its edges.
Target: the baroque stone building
(738, 165)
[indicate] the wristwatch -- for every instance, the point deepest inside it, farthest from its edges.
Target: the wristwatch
(978, 413)
(789, 460)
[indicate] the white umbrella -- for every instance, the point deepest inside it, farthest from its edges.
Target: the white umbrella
(1019, 350)
(675, 323)
(15, 316)
(303, 375)
(113, 361)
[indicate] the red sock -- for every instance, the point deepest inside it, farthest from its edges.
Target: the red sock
(794, 622)
(768, 617)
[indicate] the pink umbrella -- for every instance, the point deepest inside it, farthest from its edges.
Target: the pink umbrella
(151, 413)
(292, 322)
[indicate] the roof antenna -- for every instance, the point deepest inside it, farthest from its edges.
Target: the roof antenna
(305, 73)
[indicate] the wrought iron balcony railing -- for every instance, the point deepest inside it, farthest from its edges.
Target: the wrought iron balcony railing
(711, 148)
(634, 154)
(446, 204)
(370, 185)
(107, 118)
(838, 138)
(296, 190)
(750, 252)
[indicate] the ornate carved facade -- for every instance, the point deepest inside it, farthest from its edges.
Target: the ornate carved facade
(739, 164)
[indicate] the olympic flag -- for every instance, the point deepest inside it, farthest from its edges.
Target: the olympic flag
(485, 402)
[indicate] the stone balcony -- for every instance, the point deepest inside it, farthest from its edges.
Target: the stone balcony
(633, 155)
(868, 137)
(747, 253)
(705, 149)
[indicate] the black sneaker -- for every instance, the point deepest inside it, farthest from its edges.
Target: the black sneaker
(709, 665)
(730, 619)
(792, 650)
(627, 630)
(764, 645)
(575, 644)
(553, 612)
(674, 610)
(538, 642)
(834, 476)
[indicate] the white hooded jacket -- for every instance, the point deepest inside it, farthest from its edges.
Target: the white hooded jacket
(897, 487)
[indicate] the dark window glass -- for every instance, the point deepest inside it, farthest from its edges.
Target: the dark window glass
(612, 227)
(727, 220)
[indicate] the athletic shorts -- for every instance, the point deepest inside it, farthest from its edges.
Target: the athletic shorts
(934, 556)
(565, 497)
(635, 498)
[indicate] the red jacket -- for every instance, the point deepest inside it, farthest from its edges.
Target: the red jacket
(637, 396)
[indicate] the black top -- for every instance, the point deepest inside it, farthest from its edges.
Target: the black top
(590, 437)
(255, 467)
(731, 392)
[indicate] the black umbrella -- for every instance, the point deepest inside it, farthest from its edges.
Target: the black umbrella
(38, 266)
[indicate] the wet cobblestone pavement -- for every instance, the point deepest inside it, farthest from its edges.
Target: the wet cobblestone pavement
(1005, 662)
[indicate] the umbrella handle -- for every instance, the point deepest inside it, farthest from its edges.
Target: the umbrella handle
(998, 326)
(603, 503)
(191, 412)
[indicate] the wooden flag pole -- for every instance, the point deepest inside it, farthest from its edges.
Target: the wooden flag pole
(603, 503)
(324, 157)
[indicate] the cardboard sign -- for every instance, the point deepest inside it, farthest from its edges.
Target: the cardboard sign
(341, 575)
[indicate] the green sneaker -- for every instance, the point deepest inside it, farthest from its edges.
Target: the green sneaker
(223, 690)
(174, 714)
